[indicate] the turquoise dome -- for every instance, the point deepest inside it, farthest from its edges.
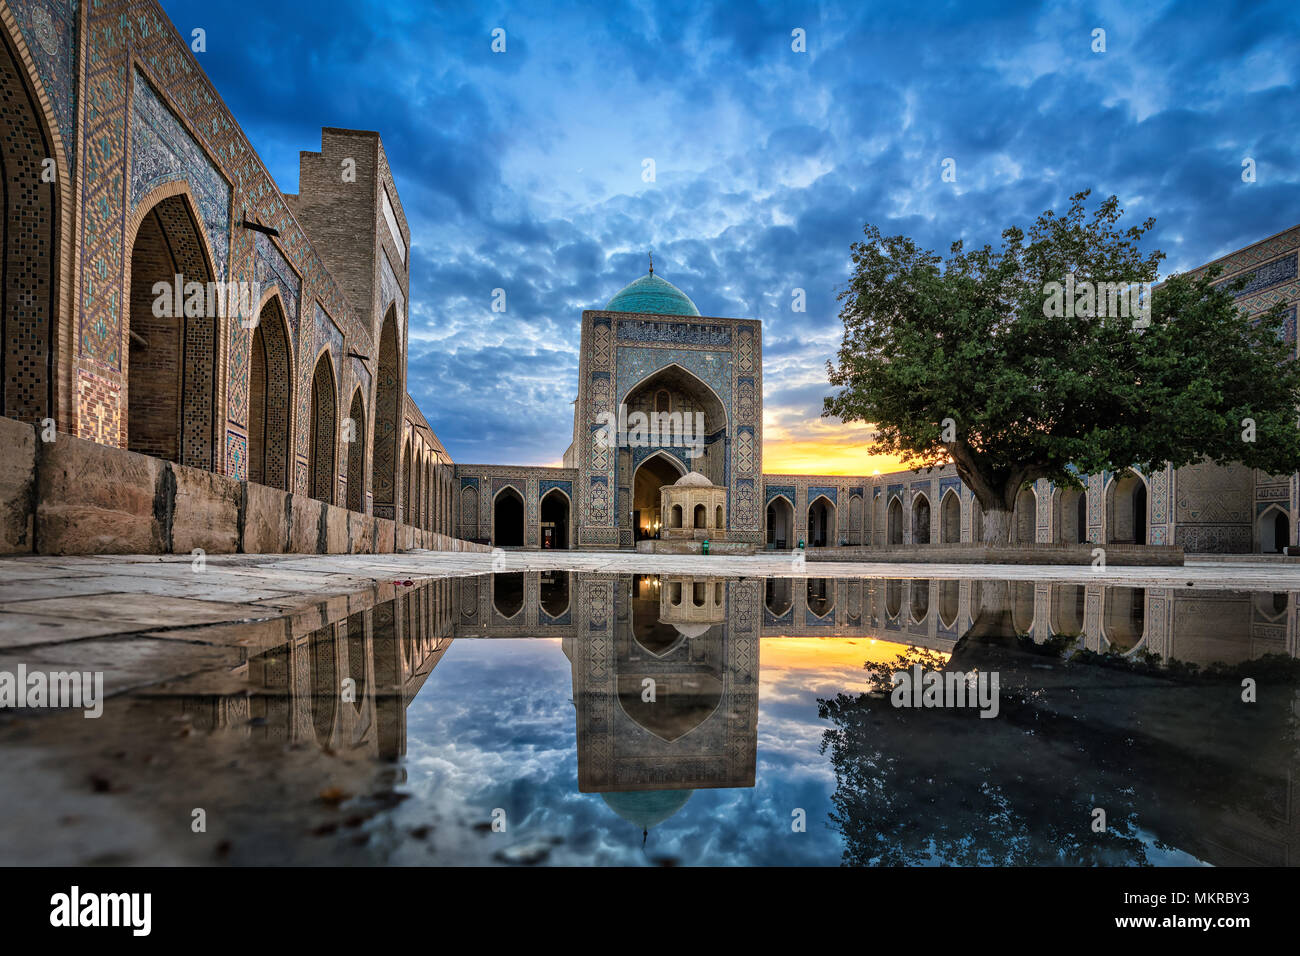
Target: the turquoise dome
(646, 808)
(654, 295)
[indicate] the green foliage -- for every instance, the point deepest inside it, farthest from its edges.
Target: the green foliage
(1037, 395)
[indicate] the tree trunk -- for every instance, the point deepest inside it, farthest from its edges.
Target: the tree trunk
(997, 526)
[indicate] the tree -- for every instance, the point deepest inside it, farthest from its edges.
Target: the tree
(978, 359)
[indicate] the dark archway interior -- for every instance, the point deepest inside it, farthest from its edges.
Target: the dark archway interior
(172, 360)
(778, 595)
(270, 396)
(555, 519)
(780, 524)
(387, 405)
(821, 524)
(356, 452)
(324, 415)
(821, 595)
(508, 593)
(655, 472)
(508, 520)
(555, 592)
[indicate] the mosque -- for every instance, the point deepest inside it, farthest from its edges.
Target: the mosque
(649, 351)
(279, 419)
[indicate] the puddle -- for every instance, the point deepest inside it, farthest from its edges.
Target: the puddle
(567, 718)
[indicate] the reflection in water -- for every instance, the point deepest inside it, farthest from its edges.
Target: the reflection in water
(555, 592)
(508, 594)
(778, 595)
(1123, 699)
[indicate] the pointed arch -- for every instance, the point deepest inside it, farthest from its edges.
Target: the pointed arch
(388, 417)
(1024, 515)
(674, 374)
(894, 520)
(35, 331)
(270, 395)
(780, 522)
(1273, 530)
(950, 516)
(1126, 501)
(356, 453)
(554, 515)
(508, 517)
(322, 430)
(921, 518)
(1070, 515)
(404, 480)
(658, 469)
(171, 363)
(821, 522)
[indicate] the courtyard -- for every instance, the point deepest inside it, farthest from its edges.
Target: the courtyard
(222, 702)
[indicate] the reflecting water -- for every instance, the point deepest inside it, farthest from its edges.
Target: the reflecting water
(571, 718)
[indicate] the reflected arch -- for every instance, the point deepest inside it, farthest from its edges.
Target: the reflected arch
(1123, 624)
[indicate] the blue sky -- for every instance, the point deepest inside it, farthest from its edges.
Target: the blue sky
(523, 170)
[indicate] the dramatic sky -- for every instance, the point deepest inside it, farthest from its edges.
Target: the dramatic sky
(523, 170)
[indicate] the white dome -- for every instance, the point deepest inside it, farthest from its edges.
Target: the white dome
(693, 480)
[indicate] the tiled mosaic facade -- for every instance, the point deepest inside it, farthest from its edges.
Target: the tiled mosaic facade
(140, 141)
(711, 364)
(142, 144)
(1200, 508)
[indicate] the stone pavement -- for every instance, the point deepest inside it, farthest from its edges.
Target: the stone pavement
(49, 602)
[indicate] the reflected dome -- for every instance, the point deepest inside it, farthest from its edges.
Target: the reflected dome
(646, 808)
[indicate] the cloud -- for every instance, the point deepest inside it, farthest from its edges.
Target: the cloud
(522, 171)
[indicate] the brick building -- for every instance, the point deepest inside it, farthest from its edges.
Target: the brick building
(126, 176)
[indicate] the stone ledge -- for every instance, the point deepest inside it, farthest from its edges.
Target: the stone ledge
(1119, 555)
(17, 487)
(93, 499)
(72, 496)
